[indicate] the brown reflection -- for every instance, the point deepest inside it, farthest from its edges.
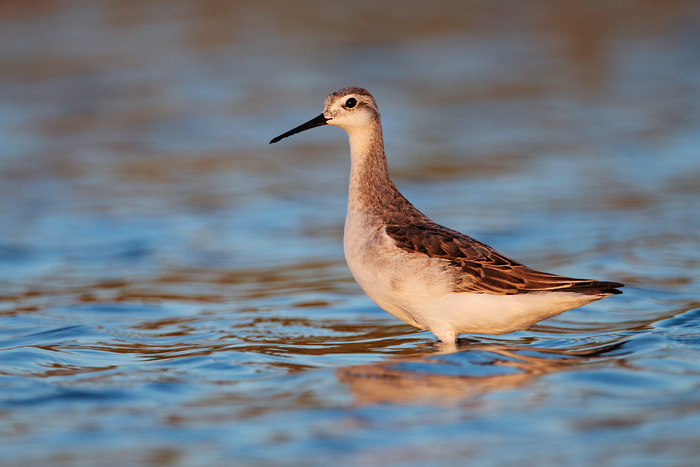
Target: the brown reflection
(582, 32)
(484, 368)
(58, 369)
(188, 285)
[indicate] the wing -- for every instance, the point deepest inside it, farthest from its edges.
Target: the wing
(479, 268)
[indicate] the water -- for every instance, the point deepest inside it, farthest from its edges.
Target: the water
(173, 289)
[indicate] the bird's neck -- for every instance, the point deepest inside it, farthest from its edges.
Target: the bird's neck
(371, 189)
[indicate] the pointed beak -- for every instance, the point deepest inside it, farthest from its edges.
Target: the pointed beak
(313, 123)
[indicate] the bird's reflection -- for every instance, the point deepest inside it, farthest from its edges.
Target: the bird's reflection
(454, 374)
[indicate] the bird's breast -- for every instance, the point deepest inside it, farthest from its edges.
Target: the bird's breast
(400, 282)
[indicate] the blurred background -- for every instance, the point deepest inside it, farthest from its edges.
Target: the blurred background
(173, 289)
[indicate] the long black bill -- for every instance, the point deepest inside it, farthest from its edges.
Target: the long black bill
(313, 123)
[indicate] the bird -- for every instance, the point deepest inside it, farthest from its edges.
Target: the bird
(429, 276)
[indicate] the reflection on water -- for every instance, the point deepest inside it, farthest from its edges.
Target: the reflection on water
(173, 290)
(456, 377)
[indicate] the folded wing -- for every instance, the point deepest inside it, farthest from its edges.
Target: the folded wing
(481, 269)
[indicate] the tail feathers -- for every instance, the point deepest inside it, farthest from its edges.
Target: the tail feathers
(595, 288)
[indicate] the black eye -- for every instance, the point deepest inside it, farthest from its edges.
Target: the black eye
(350, 103)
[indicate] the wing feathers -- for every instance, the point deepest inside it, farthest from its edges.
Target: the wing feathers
(479, 268)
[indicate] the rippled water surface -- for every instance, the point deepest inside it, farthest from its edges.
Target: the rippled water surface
(173, 289)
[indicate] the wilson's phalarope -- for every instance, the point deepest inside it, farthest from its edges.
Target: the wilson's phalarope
(425, 274)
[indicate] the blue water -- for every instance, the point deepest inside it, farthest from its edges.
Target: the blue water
(173, 289)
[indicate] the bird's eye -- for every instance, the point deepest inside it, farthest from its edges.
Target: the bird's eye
(350, 103)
